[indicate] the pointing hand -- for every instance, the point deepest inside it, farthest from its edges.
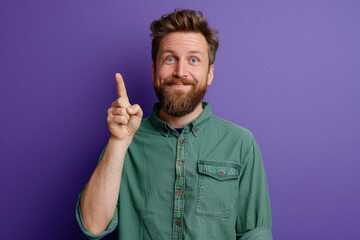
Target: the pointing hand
(123, 118)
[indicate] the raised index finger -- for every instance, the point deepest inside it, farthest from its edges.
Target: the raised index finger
(121, 90)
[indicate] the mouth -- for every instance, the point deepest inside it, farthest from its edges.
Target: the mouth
(179, 83)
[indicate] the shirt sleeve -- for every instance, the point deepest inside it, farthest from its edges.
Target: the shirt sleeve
(254, 213)
(110, 228)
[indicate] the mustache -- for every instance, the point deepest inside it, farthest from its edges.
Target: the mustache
(176, 80)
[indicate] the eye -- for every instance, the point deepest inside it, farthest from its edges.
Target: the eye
(194, 60)
(170, 59)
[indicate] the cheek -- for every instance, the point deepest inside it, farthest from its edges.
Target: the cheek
(199, 75)
(163, 70)
(160, 75)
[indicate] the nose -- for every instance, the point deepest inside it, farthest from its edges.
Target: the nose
(181, 70)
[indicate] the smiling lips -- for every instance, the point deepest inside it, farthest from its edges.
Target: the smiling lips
(179, 85)
(176, 83)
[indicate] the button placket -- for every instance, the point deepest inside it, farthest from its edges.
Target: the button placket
(179, 186)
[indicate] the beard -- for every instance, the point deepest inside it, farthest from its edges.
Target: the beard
(177, 102)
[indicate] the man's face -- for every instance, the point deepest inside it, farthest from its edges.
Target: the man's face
(182, 72)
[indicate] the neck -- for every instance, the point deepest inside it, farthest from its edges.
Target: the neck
(180, 122)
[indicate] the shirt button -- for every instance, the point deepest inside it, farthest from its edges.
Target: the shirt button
(179, 192)
(181, 141)
(178, 223)
(196, 130)
(180, 164)
(221, 173)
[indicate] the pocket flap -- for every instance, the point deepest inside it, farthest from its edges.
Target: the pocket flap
(219, 170)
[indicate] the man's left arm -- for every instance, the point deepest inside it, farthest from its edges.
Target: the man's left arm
(253, 220)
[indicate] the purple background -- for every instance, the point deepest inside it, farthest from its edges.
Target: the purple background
(287, 70)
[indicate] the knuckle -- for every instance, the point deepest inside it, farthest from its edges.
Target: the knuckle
(117, 119)
(122, 111)
(137, 107)
(114, 111)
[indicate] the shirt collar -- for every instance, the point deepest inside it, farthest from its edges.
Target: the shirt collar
(194, 126)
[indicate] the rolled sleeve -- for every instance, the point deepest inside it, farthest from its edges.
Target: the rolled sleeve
(110, 228)
(254, 219)
(113, 223)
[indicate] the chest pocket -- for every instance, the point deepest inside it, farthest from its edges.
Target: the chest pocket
(217, 188)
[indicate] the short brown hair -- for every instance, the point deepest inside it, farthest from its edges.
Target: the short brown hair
(183, 21)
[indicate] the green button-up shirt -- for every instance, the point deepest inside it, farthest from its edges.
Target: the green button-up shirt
(206, 183)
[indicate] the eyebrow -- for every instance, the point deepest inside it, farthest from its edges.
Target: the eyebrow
(171, 51)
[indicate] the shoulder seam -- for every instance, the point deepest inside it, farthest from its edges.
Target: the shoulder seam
(248, 151)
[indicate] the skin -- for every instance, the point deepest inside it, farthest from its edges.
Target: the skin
(100, 196)
(181, 55)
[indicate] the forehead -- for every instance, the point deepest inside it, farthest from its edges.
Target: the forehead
(183, 42)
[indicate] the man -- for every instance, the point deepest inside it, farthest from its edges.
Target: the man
(182, 173)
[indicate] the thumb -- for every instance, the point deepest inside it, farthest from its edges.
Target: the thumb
(135, 110)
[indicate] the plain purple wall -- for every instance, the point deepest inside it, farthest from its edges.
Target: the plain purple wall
(287, 70)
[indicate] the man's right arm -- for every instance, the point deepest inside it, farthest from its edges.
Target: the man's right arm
(100, 196)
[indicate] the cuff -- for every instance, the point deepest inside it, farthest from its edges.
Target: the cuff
(261, 233)
(110, 228)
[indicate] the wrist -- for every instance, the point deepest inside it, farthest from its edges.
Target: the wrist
(120, 141)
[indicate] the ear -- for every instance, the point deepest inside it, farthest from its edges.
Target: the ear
(153, 72)
(210, 75)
